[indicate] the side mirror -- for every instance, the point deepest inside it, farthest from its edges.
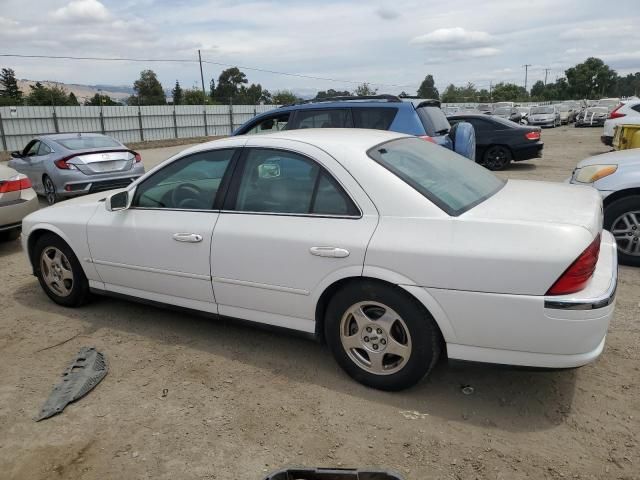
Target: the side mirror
(16, 154)
(117, 201)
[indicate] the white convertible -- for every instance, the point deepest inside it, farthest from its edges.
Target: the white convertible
(393, 249)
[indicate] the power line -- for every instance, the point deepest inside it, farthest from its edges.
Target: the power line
(184, 60)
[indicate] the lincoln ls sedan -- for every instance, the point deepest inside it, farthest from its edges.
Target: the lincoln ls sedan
(393, 250)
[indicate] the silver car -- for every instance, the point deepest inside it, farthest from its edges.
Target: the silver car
(70, 164)
(17, 200)
(544, 116)
(616, 175)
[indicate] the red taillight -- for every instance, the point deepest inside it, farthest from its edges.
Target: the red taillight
(62, 164)
(427, 138)
(579, 272)
(137, 156)
(15, 185)
(532, 135)
(616, 114)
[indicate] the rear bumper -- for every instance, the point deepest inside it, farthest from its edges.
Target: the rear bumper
(11, 214)
(72, 189)
(525, 152)
(537, 331)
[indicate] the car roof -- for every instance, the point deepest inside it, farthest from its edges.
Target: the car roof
(64, 136)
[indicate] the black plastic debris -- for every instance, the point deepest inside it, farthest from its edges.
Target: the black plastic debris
(86, 370)
(332, 474)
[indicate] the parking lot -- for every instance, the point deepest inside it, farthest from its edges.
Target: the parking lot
(188, 397)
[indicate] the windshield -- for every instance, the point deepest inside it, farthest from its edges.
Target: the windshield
(535, 110)
(84, 143)
(503, 111)
(523, 109)
(449, 180)
(434, 120)
(564, 108)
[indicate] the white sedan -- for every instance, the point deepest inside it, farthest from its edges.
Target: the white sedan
(392, 249)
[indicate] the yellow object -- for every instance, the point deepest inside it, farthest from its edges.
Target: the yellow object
(591, 173)
(626, 136)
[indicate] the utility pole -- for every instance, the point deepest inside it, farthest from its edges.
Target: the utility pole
(204, 93)
(526, 72)
(546, 72)
(490, 91)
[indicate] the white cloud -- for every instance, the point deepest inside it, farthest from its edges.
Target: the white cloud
(454, 38)
(83, 11)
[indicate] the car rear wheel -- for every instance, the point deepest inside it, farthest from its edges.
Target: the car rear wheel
(59, 272)
(622, 219)
(380, 336)
(497, 157)
(49, 190)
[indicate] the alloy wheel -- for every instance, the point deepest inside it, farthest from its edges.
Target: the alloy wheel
(56, 271)
(49, 191)
(626, 230)
(375, 338)
(497, 158)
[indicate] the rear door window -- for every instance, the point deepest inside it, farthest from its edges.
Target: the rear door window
(434, 120)
(44, 149)
(325, 118)
(375, 118)
(274, 123)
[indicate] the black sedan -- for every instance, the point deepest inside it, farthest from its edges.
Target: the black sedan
(499, 141)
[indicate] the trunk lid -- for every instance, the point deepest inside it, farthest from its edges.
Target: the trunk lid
(526, 201)
(91, 163)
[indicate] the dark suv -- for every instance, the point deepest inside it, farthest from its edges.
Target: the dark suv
(422, 118)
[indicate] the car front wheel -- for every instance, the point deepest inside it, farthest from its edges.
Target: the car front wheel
(59, 271)
(622, 219)
(380, 336)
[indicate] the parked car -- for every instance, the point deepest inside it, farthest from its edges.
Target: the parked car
(616, 175)
(544, 116)
(17, 200)
(627, 112)
(567, 114)
(592, 117)
(412, 116)
(508, 113)
(500, 141)
(608, 103)
(503, 104)
(524, 114)
(484, 108)
(329, 232)
(71, 164)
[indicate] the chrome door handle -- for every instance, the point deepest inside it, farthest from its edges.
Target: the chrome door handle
(332, 252)
(187, 237)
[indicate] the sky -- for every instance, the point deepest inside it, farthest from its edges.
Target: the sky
(391, 45)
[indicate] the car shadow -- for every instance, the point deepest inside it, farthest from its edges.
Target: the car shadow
(521, 167)
(9, 247)
(500, 397)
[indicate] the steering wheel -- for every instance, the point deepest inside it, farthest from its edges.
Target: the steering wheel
(186, 195)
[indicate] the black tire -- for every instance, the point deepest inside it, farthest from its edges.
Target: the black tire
(425, 340)
(612, 213)
(496, 157)
(50, 193)
(10, 235)
(79, 286)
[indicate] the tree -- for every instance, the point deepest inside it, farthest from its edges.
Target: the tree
(428, 88)
(99, 99)
(628, 86)
(509, 92)
(41, 95)
(72, 100)
(364, 90)
(537, 91)
(453, 94)
(176, 93)
(193, 96)
(9, 90)
(591, 79)
(284, 97)
(331, 93)
(229, 82)
(148, 90)
(212, 91)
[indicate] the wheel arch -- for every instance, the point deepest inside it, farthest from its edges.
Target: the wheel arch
(620, 194)
(37, 232)
(417, 294)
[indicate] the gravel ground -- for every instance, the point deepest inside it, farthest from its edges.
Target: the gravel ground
(191, 398)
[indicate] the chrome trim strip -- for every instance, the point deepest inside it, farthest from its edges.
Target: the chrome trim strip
(153, 270)
(589, 303)
(266, 286)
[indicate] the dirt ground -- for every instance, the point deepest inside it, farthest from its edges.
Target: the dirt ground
(192, 398)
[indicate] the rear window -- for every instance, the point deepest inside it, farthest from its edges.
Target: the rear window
(434, 120)
(83, 143)
(450, 181)
(375, 118)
